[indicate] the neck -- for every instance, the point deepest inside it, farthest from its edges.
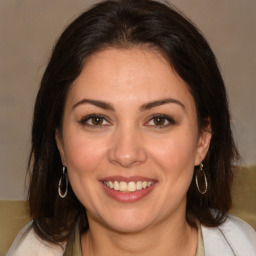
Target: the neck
(174, 237)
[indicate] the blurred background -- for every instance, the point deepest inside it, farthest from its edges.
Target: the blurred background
(29, 28)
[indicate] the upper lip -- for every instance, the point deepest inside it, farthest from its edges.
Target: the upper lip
(127, 179)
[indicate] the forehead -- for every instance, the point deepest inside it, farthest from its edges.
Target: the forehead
(126, 76)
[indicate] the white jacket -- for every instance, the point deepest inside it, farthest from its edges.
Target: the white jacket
(233, 238)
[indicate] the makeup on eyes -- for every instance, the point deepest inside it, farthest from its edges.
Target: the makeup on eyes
(156, 120)
(95, 120)
(160, 120)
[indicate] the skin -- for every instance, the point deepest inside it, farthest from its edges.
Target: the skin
(127, 142)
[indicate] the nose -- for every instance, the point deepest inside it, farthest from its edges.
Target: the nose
(127, 148)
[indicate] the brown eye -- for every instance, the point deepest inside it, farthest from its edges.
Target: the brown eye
(94, 120)
(159, 121)
(97, 120)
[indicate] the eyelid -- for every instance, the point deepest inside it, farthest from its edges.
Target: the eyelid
(167, 117)
(85, 119)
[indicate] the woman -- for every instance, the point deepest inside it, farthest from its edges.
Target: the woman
(132, 149)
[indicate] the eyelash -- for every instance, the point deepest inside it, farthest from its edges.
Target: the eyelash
(169, 119)
(85, 121)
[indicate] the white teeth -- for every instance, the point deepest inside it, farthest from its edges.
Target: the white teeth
(116, 185)
(139, 185)
(123, 186)
(110, 184)
(149, 184)
(132, 186)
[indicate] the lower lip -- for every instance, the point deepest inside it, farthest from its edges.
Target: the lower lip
(127, 197)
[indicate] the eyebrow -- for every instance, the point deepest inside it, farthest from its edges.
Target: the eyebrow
(157, 103)
(97, 103)
(146, 106)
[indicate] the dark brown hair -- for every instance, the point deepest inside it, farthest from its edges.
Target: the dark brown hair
(128, 23)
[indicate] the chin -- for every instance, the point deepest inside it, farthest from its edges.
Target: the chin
(128, 227)
(127, 222)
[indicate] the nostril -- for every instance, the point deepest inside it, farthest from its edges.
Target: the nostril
(127, 148)
(126, 159)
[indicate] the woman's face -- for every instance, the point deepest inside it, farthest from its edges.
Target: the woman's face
(130, 139)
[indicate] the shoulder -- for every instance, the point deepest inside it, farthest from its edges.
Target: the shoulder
(27, 243)
(233, 237)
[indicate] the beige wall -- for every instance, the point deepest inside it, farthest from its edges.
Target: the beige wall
(28, 30)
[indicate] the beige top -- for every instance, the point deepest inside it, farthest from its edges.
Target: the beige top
(73, 247)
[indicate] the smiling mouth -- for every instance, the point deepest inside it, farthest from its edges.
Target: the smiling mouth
(131, 186)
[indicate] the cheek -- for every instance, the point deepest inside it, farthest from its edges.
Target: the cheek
(176, 153)
(83, 154)
(84, 157)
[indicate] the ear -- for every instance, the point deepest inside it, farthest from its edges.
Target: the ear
(203, 145)
(60, 146)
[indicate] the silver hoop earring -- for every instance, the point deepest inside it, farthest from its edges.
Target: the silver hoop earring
(60, 185)
(200, 174)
